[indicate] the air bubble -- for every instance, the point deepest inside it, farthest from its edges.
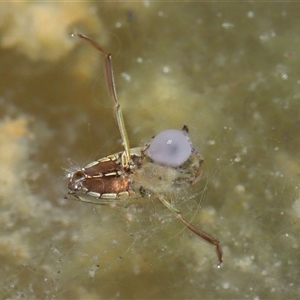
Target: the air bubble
(170, 148)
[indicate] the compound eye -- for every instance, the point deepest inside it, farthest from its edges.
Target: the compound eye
(170, 148)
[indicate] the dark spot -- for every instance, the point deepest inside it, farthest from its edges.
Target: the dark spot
(142, 191)
(130, 16)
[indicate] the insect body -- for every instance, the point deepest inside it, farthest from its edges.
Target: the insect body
(163, 167)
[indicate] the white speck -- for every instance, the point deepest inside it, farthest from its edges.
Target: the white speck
(160, 13)
(139, 60)
(244, 150)
(126, 76)
(250, 14)
(264, 37)
(264, 273)
(114, 242)
(227, 25)
(92, 271)
(118, 24)
(211, 142)
(146, 3)
(277, 264)
(257, 116)
(284, 76)
(226, 285)
(240, 188)
(166, 69)
(237, 159)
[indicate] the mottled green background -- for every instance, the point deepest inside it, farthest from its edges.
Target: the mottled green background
(231, 71)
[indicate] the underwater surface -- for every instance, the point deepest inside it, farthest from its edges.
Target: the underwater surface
(230, 71)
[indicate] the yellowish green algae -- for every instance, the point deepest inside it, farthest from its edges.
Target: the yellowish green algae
(229, 71)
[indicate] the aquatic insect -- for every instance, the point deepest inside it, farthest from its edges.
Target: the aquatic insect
(165, 165)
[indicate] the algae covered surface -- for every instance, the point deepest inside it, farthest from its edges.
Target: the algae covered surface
(230, 71)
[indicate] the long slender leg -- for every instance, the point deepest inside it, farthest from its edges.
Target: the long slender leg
(207, 237)
(112, 91)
